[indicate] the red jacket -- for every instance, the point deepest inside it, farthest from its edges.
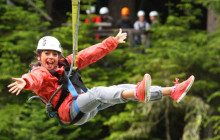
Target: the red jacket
(95, 19)
(44, 84)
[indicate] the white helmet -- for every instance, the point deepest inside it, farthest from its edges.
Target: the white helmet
(90, 10)
(103, 11)
(49, 43)
(153, 13)
(141, 13)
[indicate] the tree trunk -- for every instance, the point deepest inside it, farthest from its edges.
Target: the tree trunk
(49, 5)
(212, 23)
(167, 122)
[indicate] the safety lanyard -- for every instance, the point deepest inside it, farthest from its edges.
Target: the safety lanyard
(75, 27)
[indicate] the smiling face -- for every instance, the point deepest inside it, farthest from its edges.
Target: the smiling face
(49, 59)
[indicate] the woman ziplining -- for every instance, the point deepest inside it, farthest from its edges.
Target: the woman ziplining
(63, 91)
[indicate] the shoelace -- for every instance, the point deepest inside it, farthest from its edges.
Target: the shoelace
(176, 82)
(136, 88)
(174, 87)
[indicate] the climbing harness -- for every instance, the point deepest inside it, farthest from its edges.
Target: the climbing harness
(73, 85)
(71, 79)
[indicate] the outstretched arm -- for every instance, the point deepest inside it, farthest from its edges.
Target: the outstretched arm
(98, 51)
(17, 86)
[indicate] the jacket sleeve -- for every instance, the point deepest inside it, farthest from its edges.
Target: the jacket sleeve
(34, 79)
(94, 53)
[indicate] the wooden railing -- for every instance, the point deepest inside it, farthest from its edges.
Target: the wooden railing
(113, 31)
(106, 29)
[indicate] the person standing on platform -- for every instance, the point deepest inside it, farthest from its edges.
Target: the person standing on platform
(125, 21)
(105, 17)
(142, 25)
(154, 18)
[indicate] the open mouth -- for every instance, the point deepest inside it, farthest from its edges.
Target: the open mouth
(50, 64)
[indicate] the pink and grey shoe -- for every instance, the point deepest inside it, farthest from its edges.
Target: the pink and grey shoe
(143, 89)
(180, 89)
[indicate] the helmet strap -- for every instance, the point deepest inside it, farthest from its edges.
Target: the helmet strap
(40, 63)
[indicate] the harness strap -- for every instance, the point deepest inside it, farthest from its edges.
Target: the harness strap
(75, 27)
(65, 82)
(76, 106)
(72, 90)
(77, 81)
(80, 114)
(54, 73)
(76, 119)
(68, 86)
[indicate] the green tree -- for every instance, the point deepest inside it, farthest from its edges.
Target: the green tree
(177, 50)
(18, 40)
(20, 29)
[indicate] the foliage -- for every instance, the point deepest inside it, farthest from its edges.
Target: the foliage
(18, 40)
(178, 50)
(211, 4)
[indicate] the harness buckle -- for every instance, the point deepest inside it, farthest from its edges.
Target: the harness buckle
(49, 108)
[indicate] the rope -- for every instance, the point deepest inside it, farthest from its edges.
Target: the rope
(75, 27)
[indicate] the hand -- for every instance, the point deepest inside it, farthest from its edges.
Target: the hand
(120, 37)
(17, 86)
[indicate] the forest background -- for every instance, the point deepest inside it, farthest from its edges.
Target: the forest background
(179, 49)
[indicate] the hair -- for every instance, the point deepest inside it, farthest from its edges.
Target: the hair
(38, 63)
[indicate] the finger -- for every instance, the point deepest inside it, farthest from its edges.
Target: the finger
(16, 89)
(124, 38)
(12, 78)
(119, 33)
(122, 41)
(120, 30)
(11, 89)
(12, 84)
(124, 35)
(18, 92)
(15, 79)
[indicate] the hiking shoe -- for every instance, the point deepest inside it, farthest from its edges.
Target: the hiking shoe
(143, 89)
(180, 89)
